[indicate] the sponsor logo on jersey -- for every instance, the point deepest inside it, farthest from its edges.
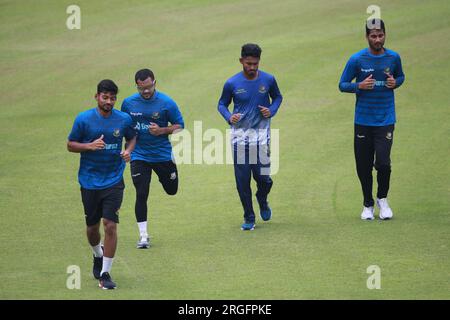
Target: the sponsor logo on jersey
(141, 126)
(239, 91)
(367, 70)
(111, 146)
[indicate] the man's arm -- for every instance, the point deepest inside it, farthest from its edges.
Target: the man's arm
(130, 136)
(398, 74)
(349, 73)
(157, 130)
(76, 135)
(130, 144)
(129, 147)
(224, 102)
(77, 147)
(276, 96)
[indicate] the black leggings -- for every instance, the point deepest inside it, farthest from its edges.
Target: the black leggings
(141, 174)
(373, 142)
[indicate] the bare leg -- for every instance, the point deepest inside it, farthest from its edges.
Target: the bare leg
(93, 234)
(110, 243)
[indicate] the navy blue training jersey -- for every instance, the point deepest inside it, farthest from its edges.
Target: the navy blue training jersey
(247, 96)
(103, 168)
(374, 107)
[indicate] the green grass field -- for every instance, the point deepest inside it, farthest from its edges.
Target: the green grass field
(316, 247)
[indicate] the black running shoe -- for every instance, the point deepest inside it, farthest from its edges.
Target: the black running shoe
(106, 282)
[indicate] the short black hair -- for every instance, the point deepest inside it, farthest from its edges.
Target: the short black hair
(107, 86)
(144, 74)
(375, 24)
(251, 50)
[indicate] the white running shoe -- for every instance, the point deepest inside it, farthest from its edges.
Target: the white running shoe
(143, 243)
(385, 210)
(367, 213)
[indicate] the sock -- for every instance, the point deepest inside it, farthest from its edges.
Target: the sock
(143, 228)
(107, 264)
(98, 251)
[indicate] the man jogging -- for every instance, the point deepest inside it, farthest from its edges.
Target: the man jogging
(155, 116)
(378, 72)
(97, 134)
(256, 100)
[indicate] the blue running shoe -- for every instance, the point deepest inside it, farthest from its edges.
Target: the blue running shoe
(266, 214)
(248, 226)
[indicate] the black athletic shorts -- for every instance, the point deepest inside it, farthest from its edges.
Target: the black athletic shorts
(104, 203)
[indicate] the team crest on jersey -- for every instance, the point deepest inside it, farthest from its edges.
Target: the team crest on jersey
(155, 115)
(387, 70)
(116, 133)
(262, 89)
(389, 136)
